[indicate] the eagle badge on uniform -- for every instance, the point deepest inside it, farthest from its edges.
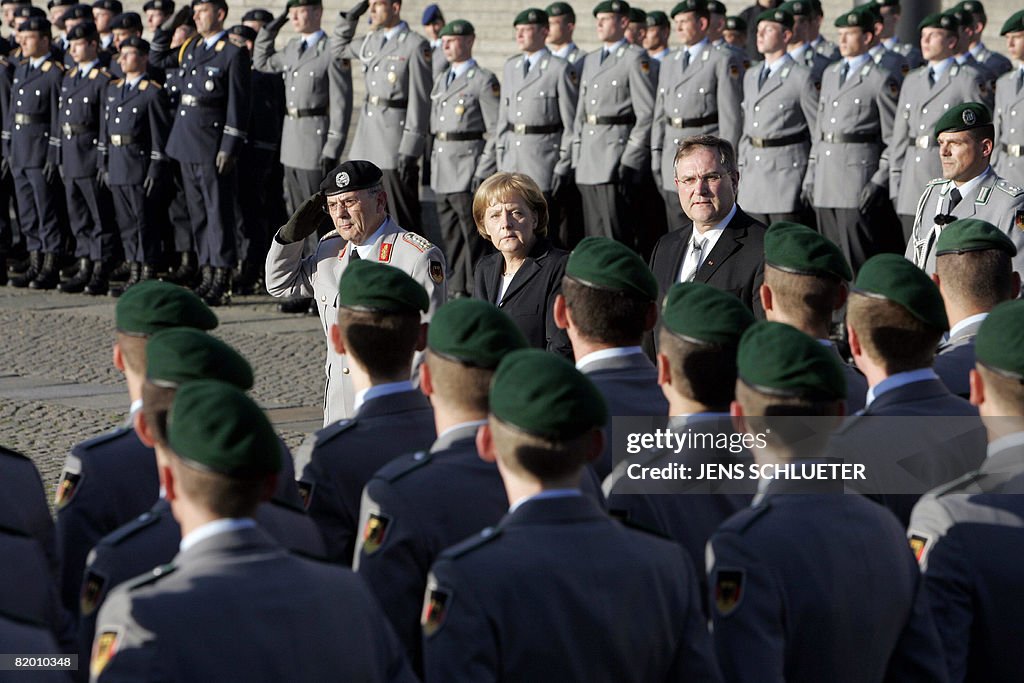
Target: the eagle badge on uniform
(435, 608)
(306, 492)
(728, 590)
(428, 52)
(645, 66)
(92, 589)
(734, 71)
(1018, 219)
(66, 489)
(436, 272)
(495, 88)
(375, 531)
(894, 88)
(919, 545)
(103, 650)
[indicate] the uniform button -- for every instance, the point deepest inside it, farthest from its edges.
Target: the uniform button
(318, 131)
(917, 160)
(832, 120)
(21, 91)
(182, 112)
(312, 75)
(441, 118)
(440, 150)
(593, 101)
(1013, 113)
(189, 86)
(757, 108)
(755, 124)
(295, 73)
(1013, 130)
(757, 158)
(518, 99)
(925, 110)
(679, 95)
(293, 88)
(67, 112)
(700, 90)
(595, 86)
(922, 126)
(945, 106)
(119, 120)
(19, 103)
(376, 68)
(675, 141)
(323, 297)
(615, 82)
(373, 82)
(369, 113)
(344, 371)
(518, 143)
(119, 110)
(828, 152)
(519, 113)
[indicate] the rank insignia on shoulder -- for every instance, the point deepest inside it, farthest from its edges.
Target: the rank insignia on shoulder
(418, 241)
(919, 545)
(306, 492)
(104, 649)
(435, 608)
(385, 252)
(436, 272)
(375, 532)
(92, 589)
(728, 590)
(66, 489)
(1018, 220)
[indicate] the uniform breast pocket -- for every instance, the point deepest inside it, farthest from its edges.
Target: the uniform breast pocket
(547, 104)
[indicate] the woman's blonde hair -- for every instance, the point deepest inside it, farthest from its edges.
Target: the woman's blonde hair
(501, 187)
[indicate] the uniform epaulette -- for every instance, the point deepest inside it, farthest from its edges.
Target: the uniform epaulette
(102, 438)
(74, 71)
(396, 469)
(126, 531)
(954, 70)
(219, 46)
(1009, 189)
(329, 432)
(470, 544)
(936, 181)
(151, 577)
(143, 84)
(332, 233)
(418, 241)
(98, 72)
(956, 485)
(118, 81)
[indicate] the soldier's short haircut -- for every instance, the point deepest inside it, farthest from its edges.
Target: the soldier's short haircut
(809, 300)
(700, 372)
(156, 403)
(1007, 390)
(602, 315)
(545, 459)
(987, 132)
(722, 148)
(384, 343)
(978, 279)
(890, 335)
(462, 386)
(133, 351)
(502, 187)
(226, 497)
(774, 418)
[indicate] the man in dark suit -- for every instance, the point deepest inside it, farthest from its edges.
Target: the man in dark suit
(722, 246)
(379, 331)
(606, 305)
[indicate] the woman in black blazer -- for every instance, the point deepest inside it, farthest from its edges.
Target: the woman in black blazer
(525, 275)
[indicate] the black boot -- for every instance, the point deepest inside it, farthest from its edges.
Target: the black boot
(185, 273)
(80, 279)
(35, 262)
(99, 284)
(134, 276)
(294, 304)
(148, 272)
(219, 293)
(49, 274)
(205, 281)
(120, 273)
(247, 279)
(3, 270)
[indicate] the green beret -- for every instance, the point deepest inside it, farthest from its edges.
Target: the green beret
(735, 24)
(612, 6)
(704, 314)
(533, 16)
(637, 16)
(459, 27)
(561, 9)
(303, 3)
(473, 332)
(153, 305)
(795, 248)
(971, 234)
(964, 116)
(972, 7)
(699, 6)
(778, 16)
(999, 344)
(1014, 24)
(371, 286)
(892, 277)
(888, 3)
(545, 395)
(604, 263)
(862, 17)
(216, 427)
(180, 354)
(657, 18)
(940, 20)
(715, 7)
(780, 360)
(798, 8)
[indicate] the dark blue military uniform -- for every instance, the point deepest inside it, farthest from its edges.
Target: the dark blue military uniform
(91, 211)
(6, 182)
(135, 127)
(23, 503)
(27, 591)
(212, 117)
(346, 455)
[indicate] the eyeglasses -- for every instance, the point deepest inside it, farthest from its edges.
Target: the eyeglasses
(332, 207)
(689, 182)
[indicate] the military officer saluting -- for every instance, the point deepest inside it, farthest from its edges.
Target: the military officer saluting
(780, 104)
(1009, 142)
(464, 106)
(968, 188)
(700, 89)
(354, 196)
(395, 118)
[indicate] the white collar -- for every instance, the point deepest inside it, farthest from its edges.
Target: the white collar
(378, 390)
(857, 62)
(696, 48)
(393, 31)
(614, 46)
(459, 69)
(217, 526)
(212, 40)
(84, 69)
(135, 81)
(969, 320)
(977, 49)
(549, 493)
(939, 68)
(968, 187)
(38, 61)
(564, 51)
(313, 38)
(604, 354)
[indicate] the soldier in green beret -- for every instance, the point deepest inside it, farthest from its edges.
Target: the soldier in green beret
(379, 332)
(968, 188)
(735, 33)
(974, 19)
(955, 527)
(559, 555)
(974, 273)
(798, 45)
(636, 29)
(217, 462)
(806, 281)
(1006, 157)
(656, 37)
(607, 303)
(894, 320)
(764, 585)
(561, 26)
(716, 22)
(111, 479)
(891, 12)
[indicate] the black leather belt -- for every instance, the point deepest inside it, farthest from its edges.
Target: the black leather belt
(304, 113)
(193, 101)
(118, 140)
(454, 136)
(679, 122)
(523, 129)
(780, 142)
(76, 129)
(857, 138)
(26, 119)
(627, 120)
(1013, 150)
(379, 101)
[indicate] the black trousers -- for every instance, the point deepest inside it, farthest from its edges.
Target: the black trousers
(462, 244)
(565, 216)
(177, 217)
(10, 232)
(211, 211)
(861, 236)
(140, 233)
(907, 222)
(91, 216)
(404, 199)
(674, 211)
(606, 213)
(259, 204)
(38, 209)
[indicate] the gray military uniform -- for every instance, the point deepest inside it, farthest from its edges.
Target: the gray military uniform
(893, 62)
(535, 118)
(1008, 117)
(993, 200)
(317, 275)
(777, 119)
(574, 57)
(910, 52)
(996, 63)
(812, 59)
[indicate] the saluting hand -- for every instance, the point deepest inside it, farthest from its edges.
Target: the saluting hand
(304, 221)
(179, 18)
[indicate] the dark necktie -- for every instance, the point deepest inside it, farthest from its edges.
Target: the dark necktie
(686, 59)
(843, 73)
(1020, 79)
(125, 89)
(954, 199)
(765, 72)
(302, 47)
(604, 55)
(931, 76)
(526, 67)
(383, 42)
(355, 254)
(451, 78)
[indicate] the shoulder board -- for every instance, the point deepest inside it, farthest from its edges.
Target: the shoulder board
(219, 46)
(93, 74)
(125, 531)
(784, 73)
(332, 233)
(151, 577)
(470, 544)
(331, 431)
(417, 241)
(103, 438)
(118, 81)
(1009, 189)
(955, 485)
(937, 181)
(396, 469)
(46, 66)
(954, 70)
(74, 71)
(866, 69)
(143, 84)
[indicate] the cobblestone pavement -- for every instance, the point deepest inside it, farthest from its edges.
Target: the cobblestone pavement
(58, 385)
